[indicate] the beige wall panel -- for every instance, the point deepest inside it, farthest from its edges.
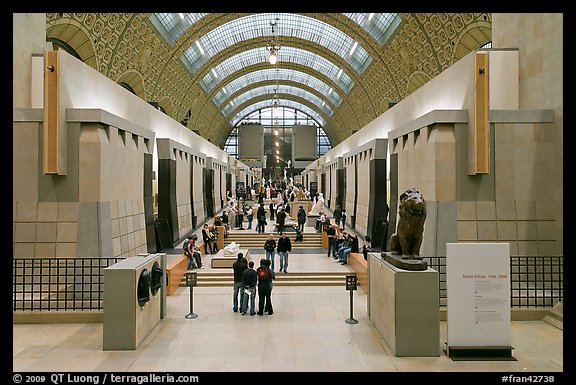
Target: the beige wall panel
(506, 230)
(250, 141)
(25, 145)
(467, 231)
(505, 210)
(466, 210)
(304, 142)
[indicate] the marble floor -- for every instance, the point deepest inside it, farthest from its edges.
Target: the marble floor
(306, 333)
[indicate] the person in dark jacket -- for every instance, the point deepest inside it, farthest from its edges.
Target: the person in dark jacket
(238, 266)
(261, 219)
(281, 220)
(331, 234)
(270, 247)
(249, 281)
(301, 215)
(337, 214)
(265, 277)
(272, 209)
(208, 245)
(284, 246)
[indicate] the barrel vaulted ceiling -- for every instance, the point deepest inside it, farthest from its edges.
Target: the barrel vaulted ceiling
(342, 69)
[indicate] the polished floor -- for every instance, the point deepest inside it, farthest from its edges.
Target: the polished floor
(306, 333)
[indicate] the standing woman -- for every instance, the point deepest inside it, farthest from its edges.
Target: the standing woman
(249, 217)
(270, 247)
(265, 277)
(261, 218)
(301, 216)
(208, 247)
(272, 208)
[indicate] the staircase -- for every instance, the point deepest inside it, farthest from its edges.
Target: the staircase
(555, 316)
(249, 239)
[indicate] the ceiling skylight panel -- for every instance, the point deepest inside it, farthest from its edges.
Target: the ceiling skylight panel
(274, 76)
(171, 26)
(284, 103)
(281, 89)
(298, 56)
(380, 26)
(293, 25)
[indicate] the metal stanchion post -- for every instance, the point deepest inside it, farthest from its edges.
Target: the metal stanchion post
(191, 281)
(351, 286)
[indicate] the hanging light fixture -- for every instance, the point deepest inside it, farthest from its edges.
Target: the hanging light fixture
(273, 47)
(275, 100)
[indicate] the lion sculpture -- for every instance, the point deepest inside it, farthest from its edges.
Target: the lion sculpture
(408, 236)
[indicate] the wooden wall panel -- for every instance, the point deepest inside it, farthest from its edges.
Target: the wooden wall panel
(51, 108)
(481, 123)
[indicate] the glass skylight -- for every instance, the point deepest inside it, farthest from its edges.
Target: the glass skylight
(257, 26)
(288, 54)
(272, 76)
(272, 90)
(379, 25)
(172, 25)
(284, 103)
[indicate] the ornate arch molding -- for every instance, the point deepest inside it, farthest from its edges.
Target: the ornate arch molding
(134, 80)
(80, 46)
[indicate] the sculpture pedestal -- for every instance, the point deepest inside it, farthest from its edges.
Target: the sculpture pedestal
(311, 219)
(221, 260)
(404, 263)
(404, 307)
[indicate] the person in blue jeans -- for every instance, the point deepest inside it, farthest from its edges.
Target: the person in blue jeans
(284, 246)
(270, 247)
(351, 246)
(265, 277)
(331, 234)
(249, 281)
(238, 266)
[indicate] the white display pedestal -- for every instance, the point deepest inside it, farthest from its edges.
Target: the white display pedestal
(220, 260)
(478, 287)
(311, 219)
(404, 307)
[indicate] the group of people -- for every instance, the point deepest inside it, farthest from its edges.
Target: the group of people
(192, 249)
(283, 247)
(341, 246)
(249, 281)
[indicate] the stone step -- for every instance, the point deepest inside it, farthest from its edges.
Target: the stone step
(225, 279)
(252, 241)
(554, 321)
(279, 283)
(260, 245)
(253, 233)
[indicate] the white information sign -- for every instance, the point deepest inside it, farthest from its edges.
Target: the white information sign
(478, 290)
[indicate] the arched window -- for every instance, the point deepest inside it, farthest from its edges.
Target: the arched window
(278, 122)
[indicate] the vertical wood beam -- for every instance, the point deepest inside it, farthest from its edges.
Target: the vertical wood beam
(51, 108)
(481, 123)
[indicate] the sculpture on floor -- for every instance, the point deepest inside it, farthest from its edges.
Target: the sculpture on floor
(407, 239)
(318, 205)
(231, 249)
